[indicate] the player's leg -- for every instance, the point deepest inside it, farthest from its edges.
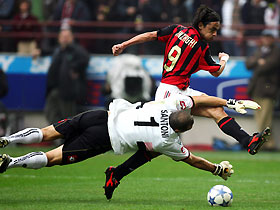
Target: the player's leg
(230, 127)
(49, 133)
(115, 174)
(33, 160)
(86, 135)
(54, 156)
(91, 142)
(30, 136)
(165, 91)
(227, 124)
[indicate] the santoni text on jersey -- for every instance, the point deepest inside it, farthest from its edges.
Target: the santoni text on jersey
(186, 38)
(164, 123)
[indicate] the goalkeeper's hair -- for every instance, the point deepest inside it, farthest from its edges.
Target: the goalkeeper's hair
(205, 15)
(181, 121)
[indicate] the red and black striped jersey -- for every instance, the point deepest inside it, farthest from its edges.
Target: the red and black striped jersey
(185, 53)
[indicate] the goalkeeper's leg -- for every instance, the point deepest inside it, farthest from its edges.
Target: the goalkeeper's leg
(26, 136)
(31, 135)
(33, 160)
(114, 175)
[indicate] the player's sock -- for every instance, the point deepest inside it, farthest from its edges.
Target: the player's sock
(230, 127)
(26, 136)
(33, 160)
(135, 161)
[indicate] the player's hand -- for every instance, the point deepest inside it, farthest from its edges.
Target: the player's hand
(117, 49)
(241, 105)
(223, 56)
(224, 170)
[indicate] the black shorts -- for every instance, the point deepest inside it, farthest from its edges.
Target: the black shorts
(86, 135)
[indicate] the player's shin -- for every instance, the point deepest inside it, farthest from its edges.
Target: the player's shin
(33, 160)
(230, 127)
(26, 136)
(135, 161)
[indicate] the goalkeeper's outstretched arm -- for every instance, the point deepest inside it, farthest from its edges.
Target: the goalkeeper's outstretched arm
(224, 169)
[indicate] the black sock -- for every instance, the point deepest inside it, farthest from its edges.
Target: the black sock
(135, 161)
(230, 127)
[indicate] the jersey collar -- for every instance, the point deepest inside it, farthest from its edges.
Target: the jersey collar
(196, 31)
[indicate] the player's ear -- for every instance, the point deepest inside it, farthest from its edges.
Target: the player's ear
(200, 25)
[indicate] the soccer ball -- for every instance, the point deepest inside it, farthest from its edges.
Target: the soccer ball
(219, 195)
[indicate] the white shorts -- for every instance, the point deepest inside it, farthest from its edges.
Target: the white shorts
(165, 91)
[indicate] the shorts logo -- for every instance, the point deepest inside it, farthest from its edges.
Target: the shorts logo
(72, 158)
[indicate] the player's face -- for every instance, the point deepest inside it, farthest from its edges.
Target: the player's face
(65, 38)
(267, 41)
(209, 31)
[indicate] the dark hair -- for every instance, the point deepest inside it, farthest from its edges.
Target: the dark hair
(205, 15)
(181, 120)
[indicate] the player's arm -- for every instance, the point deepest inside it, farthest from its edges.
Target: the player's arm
(205, 100)
(223, 58)
(224, 169)
(145, 37)
(238, 105)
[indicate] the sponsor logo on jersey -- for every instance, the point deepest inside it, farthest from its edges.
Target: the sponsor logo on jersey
(186, 38)
(164, 123)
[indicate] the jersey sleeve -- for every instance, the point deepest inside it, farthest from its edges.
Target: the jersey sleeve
(176, 151)
(184, 102)
(163, 34)
(207, 63)
(178, 102)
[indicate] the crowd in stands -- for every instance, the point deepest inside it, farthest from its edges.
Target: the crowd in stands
(69, 13)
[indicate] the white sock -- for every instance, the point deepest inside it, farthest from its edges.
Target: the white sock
(33, 160)
(26, 136)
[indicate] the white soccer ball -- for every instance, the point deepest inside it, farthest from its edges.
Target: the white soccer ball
(219, 195)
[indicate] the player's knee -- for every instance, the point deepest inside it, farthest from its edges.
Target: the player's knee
(49, 133)
(218, 110)
(52, 162)
(53, 159)
(217, 113)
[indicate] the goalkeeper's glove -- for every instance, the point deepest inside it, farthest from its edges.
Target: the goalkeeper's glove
(241, 105)
(224, 170)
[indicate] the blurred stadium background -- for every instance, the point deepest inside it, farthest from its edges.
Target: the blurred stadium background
(98, 26)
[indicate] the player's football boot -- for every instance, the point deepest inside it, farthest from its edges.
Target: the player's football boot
(3, 142)
(257, 140)
(111, 182)
(4, 162)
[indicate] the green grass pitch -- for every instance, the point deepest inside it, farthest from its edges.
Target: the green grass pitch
(160, 184)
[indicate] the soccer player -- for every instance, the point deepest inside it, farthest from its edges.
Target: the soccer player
(154, 126)
(186, 52)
